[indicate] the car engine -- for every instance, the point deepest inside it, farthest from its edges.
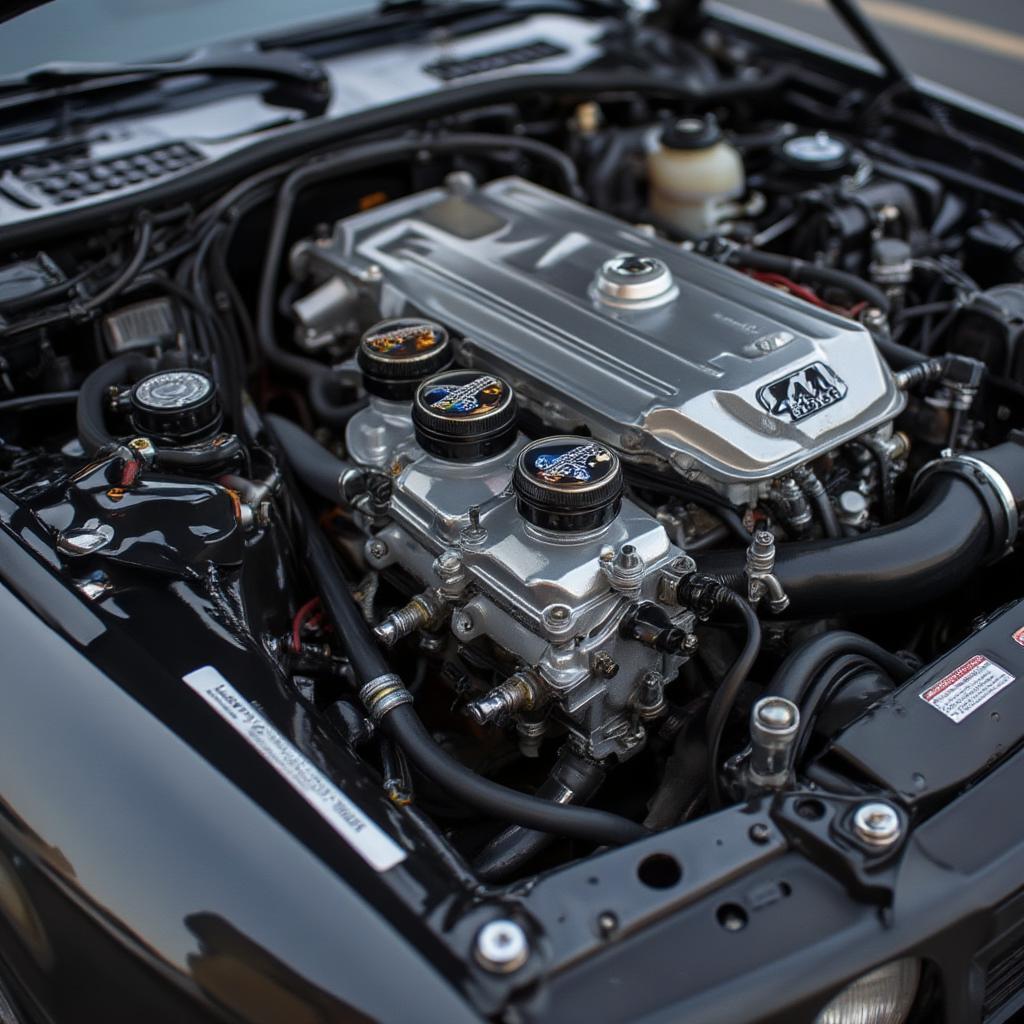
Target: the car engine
(566, 468)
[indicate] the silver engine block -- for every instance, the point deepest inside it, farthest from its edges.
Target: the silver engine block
(557, 603)
(665, 355)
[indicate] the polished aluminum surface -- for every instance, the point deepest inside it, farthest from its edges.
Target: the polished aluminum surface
(545, 597)
(513, 270)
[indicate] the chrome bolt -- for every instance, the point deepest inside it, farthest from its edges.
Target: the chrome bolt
(877, 823)
(557, 618)
(774, 725)
(501, 947)
(776, 714)
(607, 923)
(377, 549)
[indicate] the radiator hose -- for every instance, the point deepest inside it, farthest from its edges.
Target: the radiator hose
(966, 515)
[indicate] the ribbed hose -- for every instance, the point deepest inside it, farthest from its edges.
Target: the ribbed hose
(573, 779)
(403, 725)
(795, 677)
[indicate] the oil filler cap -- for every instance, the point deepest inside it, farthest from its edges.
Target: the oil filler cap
(175, 406)
(464, 415)
(568, 484)
(395, 355)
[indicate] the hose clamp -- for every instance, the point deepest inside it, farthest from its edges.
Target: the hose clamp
(988, 481)
(384, 694)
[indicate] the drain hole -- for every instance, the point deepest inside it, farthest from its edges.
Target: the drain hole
(659, 871)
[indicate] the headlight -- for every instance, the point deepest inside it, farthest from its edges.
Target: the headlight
(882, 996)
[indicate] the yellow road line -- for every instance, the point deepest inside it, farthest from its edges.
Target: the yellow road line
(940, 26)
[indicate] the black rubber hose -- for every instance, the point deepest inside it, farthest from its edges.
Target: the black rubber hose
(573, 779)
(683, 777)
(45, 400)
(403, 725)
(725, 696)
(601, 827)
(830, 684)
(313, 464)
(93, 394)
(929, 553)
(324, 400)
(795, 677)
(809, 273)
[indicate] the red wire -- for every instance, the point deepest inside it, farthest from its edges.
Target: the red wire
(791, 286)
(300, 618)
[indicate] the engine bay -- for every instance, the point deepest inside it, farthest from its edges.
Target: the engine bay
(579, 463)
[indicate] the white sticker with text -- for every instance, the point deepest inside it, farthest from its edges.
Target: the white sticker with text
(966, 688)
(374, 845)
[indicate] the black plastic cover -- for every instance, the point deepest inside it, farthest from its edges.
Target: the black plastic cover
(950, 722)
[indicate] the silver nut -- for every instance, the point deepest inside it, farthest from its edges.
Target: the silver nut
(501, 947)
(448, 564)
(877, 824)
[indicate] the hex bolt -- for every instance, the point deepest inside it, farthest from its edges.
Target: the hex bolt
(557, 618)
(877, 824)
(604, 665)
(448, 564)
(760, 833)
(501, 947)
(377, 549)
(607, 923)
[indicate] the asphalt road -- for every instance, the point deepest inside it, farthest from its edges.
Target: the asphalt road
(974, 46)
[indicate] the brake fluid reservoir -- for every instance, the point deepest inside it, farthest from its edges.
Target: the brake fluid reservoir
(693, 175)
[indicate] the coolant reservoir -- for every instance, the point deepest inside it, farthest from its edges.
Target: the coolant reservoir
(693, 175)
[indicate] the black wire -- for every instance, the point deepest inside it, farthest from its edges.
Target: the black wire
(23, 403)
(724, 699)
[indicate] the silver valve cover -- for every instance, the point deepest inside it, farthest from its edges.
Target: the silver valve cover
(661, 352)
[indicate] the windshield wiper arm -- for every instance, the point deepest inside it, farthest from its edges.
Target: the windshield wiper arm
(297, 73)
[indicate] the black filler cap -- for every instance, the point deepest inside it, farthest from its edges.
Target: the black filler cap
(692, 133)
(395, 355)
(464, 415)
(568, 484)
(176, 406)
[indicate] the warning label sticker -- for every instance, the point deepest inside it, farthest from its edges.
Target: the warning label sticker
(374, 845)
(1019, 636)
(966, 688)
